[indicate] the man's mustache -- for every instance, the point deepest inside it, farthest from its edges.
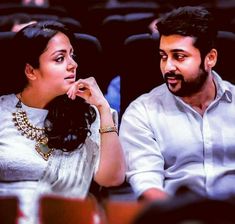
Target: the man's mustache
(173, 75)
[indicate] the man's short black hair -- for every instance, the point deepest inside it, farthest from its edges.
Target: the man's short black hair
(194, 21)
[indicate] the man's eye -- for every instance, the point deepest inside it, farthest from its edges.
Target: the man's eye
(180, 56)
(163, 57)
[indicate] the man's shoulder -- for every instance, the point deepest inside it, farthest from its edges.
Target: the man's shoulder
(155, 94)
(229, 85)
(152, 99)
(224, 83)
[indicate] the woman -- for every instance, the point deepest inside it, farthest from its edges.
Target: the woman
(56, 133)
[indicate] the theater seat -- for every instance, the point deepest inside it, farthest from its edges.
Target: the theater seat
(226, 48)
(62, 210)
(185, 210)
(112, 33)
(140, 71)
(6, 63)
(9, 210)
(122, 212)
(89, 60)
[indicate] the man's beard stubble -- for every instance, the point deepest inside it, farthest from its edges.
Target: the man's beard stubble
(188, 88)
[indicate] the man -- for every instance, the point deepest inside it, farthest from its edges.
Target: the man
(182, 133)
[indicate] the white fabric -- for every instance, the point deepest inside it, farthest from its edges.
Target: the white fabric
(168, 144)
(24, 173)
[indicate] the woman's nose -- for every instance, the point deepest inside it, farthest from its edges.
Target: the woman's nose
(72, 64)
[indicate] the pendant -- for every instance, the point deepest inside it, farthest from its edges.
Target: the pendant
(32, 132)
(43, 150)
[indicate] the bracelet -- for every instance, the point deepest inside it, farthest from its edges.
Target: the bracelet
(108, 129)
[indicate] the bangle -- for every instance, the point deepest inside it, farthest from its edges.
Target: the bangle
(108, 129)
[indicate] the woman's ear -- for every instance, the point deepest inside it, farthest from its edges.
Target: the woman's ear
(211, 59)
(30, 72)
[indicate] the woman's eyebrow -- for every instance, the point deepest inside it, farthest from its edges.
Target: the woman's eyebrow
(58, 51)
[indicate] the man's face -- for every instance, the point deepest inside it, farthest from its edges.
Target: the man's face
(181, 65)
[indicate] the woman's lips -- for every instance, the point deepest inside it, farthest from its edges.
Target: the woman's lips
(70, 77)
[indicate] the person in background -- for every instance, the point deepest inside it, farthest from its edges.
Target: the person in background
(18, 26)
(57, 132)
(113, 93)
(39, 3)
(182, 132)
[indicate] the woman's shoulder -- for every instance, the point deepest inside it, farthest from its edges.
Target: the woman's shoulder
(97, 120)
(95, 126)
(8, 101)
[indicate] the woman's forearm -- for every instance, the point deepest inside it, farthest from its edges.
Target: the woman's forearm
(111, 171)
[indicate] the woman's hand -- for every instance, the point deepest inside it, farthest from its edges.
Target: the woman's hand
(88, 90)
(111, 170)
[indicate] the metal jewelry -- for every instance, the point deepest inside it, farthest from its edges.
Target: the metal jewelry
(32, 132)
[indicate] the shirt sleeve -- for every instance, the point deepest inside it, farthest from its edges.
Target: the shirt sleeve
(145, 163)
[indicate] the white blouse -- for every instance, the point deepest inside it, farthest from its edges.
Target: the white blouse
(24, 173)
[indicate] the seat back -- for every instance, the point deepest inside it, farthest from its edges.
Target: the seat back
(9, 210)
(186, 209)
(141, 69)
(61, 210)
(225, 46)
(112, 33)
(6, 63)
(121, 212)
(90, 59)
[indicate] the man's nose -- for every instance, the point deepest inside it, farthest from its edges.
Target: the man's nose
(169, 66)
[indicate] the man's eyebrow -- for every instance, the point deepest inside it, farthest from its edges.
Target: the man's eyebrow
(177, 50)
(173, 50)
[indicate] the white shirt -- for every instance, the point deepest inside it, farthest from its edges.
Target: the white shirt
(168, 144)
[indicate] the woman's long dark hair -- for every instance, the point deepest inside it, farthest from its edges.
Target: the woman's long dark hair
(68, 121)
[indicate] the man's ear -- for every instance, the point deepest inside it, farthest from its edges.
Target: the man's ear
(211, 59)
(30, 72)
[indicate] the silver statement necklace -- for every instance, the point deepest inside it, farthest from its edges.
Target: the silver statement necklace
(30, 131)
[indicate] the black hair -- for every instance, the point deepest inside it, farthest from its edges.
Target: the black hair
(30, 42)
(68, 121)
(194, 21)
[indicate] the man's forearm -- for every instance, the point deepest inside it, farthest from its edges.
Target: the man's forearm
(153, 194)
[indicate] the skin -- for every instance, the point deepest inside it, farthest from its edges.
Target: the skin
(56, 76)
(180, 56)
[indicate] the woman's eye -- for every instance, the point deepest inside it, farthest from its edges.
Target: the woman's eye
(74, 56)
(59, 59)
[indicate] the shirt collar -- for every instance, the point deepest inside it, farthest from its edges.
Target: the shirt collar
(223, 91)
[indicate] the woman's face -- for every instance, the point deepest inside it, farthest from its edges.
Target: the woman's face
(57, 68)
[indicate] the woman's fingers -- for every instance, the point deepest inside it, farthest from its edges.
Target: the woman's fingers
(71, 92)
(82, 88)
